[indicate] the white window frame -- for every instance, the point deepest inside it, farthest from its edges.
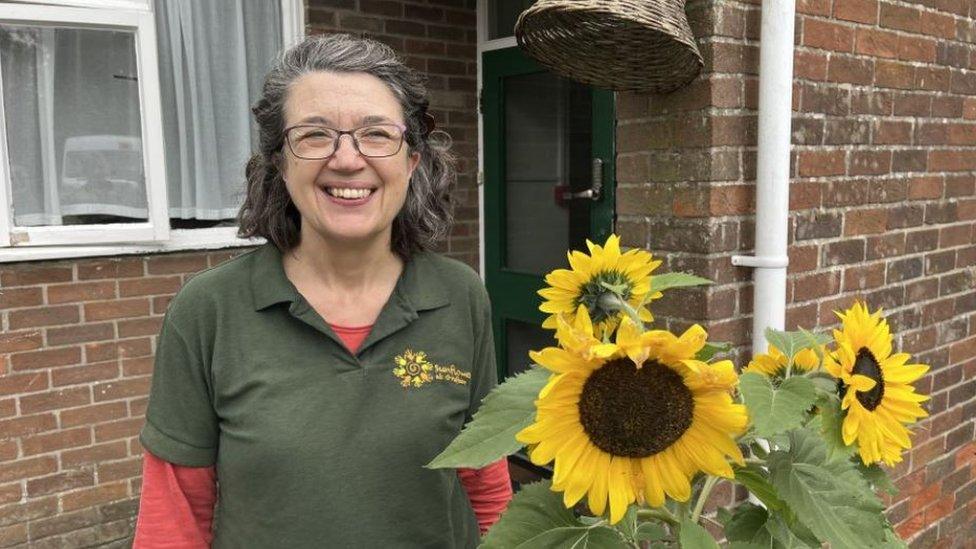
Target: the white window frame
(59, 242)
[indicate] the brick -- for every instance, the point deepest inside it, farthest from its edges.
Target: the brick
(937, 24)
(79, 334)
(44, 316)
(87, 373)
(23, 383)
(27, 468)
(20, 297)
(859, 11)
(926, 187)
(817, 224)
(903, 216)
(80, 291)
(15, 534)
(892, 132)
(52, 400)
(111, 268)
(821, 163)
(909, 160)
(119, 470)
(957, 235)
(137, 366)
(851, 70)
(33, 509)
(810, 64)
(60, 482)
(876, 43)
(27, 275)
(846, 130)
(140, 327)
(922, 241)
(11, 342)
(26, 425)
(940, 212)
(865, 221)
(89, 497)
(89, 415)
(120, 389)
(802, 258)
(94, 454)
(118, 429)
(951, 161)
(63, 523)
(844, 252)
(915, 48)
(861, 277)
(960, 185)
(176, 264)
(59, 440)
(816, 286)
(827, 35)
(122, 308)
(46, 358)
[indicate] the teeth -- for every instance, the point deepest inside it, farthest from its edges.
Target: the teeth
(351, 194)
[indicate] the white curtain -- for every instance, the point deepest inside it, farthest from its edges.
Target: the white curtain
(212, 56)
(71, 107)
(71, 103)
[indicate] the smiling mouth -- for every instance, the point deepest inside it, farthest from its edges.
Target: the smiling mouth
(348, 193)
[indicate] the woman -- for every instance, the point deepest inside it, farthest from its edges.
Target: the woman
(313, 378)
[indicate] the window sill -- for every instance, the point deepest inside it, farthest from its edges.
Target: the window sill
(180, 240)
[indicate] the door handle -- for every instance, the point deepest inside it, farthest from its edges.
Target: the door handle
(596, 184)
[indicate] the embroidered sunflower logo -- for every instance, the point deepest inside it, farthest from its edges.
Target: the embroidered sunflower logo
(412, 368)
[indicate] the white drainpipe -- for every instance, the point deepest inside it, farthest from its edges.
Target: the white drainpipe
(773, 170)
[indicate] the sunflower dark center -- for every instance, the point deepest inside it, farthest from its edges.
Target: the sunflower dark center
(594, 288)
(635, 413)
(866, 365)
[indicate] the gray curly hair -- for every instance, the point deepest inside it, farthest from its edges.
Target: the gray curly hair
(268, 211)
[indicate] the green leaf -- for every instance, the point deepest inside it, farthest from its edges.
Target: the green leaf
(536, 517)
(666, 281)
(755, 480)
(878, 477)
(711, 349)
(753, 526)
(628, 524)
(791, 343)
(776, 410)
(490, 435)
(650, 531)
(829, 497)
(693, 536)
(829, 424)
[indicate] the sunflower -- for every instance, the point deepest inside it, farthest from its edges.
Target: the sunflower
(773, 362)
(585, 282)
(635, 424)
(875, 386)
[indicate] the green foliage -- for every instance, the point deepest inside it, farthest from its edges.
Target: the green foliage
(490, 434)
(791, 343)
(878, 477)
(650, 531)
(829, 497)
(536, 518)
(693, 536)
(711, 349)
(829, 423)
(752, 527)
(756, 481)
(667, 281)
(776, 410)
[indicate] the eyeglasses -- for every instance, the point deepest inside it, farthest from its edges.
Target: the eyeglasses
(312, 142)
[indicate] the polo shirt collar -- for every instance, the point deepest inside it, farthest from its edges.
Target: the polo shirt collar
(420, 287)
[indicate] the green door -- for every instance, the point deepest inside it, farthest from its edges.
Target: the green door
(549, 185)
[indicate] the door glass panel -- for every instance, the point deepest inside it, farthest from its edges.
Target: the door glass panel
(522, 337)
(74, 133)
(502, 15)
(547, 136)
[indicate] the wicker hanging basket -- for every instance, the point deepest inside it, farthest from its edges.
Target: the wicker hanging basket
(632, 45)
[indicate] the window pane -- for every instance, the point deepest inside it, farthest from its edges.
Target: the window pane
(212, 60)
(502, 15)
(71, 102)
(520, 338)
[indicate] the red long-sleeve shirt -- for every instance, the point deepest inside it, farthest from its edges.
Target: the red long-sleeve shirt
(177, 503)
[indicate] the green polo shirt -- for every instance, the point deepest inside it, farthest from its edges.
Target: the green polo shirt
(315, 446)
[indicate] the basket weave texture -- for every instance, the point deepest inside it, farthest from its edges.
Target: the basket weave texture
(623, 45)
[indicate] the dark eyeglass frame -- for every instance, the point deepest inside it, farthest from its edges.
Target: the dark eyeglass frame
(339, 134)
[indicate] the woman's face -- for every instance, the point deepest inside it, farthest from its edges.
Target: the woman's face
(329, 193)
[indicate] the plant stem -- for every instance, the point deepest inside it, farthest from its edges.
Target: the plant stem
(660, 513)
(612, 301)
(710, 482)
(754, 461)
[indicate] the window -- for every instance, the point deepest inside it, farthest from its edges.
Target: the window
(124, 119)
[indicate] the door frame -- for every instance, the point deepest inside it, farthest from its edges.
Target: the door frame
(494, 65)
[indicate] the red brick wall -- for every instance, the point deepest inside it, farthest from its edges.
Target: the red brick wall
(77, 337)
(882, 203)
